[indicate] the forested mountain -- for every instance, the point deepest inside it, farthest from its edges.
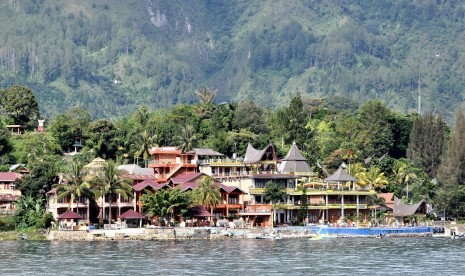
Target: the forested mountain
(114, 56)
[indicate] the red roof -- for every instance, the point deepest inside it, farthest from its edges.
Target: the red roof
(69, 215)
(149, 183)
(185, 177)
(52, 191)
(131, 214)
(9, 176)
(187, 181)
(388, 199)
(200, 211)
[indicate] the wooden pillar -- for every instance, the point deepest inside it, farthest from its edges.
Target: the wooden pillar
(227, 204)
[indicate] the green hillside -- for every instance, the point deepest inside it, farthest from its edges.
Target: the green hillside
(113, 56)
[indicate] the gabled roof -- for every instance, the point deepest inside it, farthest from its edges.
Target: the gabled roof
(135, 169)
(206, 152)
(253, 155)
(339, 176)
(401, 209)
(16, 166)
(9, 176)
(185, 177)
(149, 183)
(69, 215)
(294, 162)
(188, 181)
(131, 214)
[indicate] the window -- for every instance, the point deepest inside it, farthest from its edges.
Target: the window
(233, 200)
(63, 200)
(126, 200)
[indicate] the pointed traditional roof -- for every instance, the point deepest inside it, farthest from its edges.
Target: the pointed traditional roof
(294, 154)
(295, 162)
(69, 215)
(401, 209)
(253, 155)
(131, 214)
(96, 163)
(340, 176)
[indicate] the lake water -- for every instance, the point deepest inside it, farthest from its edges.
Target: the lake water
(348, 256)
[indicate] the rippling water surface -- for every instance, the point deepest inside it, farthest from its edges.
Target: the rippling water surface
(389, 256)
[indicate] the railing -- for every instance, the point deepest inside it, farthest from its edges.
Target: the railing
(7, 212)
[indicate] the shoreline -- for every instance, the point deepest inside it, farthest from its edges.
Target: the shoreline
(215, 233)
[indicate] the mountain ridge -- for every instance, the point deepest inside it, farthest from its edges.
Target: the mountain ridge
(113, 56)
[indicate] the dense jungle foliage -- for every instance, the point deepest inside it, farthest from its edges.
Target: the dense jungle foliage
(414, 156)
(114, 56)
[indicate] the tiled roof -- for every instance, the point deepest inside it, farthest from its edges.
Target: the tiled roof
(294, 162)
(9, 176)
(69, 215)
(206, 152)
(340, 175)
(187, 181)
(200, 211)
(401, 209)
(185, 177)
(131, 214)
(149, 183)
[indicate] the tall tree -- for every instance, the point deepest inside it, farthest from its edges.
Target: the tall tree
(101, 134)
(187, 139)
(290, 121)
(427, 142)
(207, 193)
(377, 132)
(144, 142)
(206, 95)
(451, 173)
(74, 185)
(20, 103)
(274, 193)
(113, 184)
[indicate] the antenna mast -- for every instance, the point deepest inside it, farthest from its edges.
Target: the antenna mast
(419, 96)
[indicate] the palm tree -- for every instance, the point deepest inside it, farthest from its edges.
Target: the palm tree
(75, 186)
(207, 193)
(112, 184)
(186, 139)
(168, 202)
(144, 142)
(403, 173)
(206, 95)
(374, 200)
(274, 193)
(373, 178)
